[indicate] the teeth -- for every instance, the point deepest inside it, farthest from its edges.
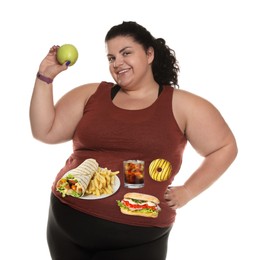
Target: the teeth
(122, 71)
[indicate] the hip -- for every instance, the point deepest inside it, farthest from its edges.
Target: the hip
(94, 233)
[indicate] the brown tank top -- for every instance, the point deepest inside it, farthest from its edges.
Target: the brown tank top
(111, 135)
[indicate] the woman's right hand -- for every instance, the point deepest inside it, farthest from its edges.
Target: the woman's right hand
(49, 66)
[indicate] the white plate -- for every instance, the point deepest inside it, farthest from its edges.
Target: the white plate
(116, 186)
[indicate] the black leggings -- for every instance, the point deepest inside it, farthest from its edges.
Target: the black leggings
(74, 235)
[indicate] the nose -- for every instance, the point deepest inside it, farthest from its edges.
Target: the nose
(117, 63)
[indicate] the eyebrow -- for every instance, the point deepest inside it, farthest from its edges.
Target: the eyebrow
(122, 50)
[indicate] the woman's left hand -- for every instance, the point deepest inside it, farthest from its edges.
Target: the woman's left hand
(177, 196)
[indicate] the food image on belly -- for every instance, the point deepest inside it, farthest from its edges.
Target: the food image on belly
(88, 181)
(103, 184)
(160, 170)
(75, 181)
(133, 174)
(139, 204)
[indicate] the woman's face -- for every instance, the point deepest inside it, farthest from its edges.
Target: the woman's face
(129, 62)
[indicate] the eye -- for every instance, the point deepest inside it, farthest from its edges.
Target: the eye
(126, 53)
(111, 59)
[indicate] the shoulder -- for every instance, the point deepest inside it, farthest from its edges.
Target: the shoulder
(86, 89)
(189, 101)
(84, 92)
(190, 109)
(180, 95)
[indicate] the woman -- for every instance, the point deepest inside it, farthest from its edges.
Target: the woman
(144, 116)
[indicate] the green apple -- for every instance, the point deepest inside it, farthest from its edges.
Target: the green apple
(67, 52)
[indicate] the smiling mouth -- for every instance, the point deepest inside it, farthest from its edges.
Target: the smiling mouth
(122, 71)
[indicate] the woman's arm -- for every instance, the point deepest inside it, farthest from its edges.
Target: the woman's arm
(210, 136)
(55, 123)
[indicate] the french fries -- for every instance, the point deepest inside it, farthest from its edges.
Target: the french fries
(102, 182)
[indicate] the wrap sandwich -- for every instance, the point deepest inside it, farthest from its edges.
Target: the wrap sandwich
(74, 182)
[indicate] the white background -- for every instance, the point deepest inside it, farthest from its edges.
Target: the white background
(216, 43)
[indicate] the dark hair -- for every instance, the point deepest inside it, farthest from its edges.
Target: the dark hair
(165, 66)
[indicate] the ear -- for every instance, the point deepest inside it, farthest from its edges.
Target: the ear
(150, 54)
